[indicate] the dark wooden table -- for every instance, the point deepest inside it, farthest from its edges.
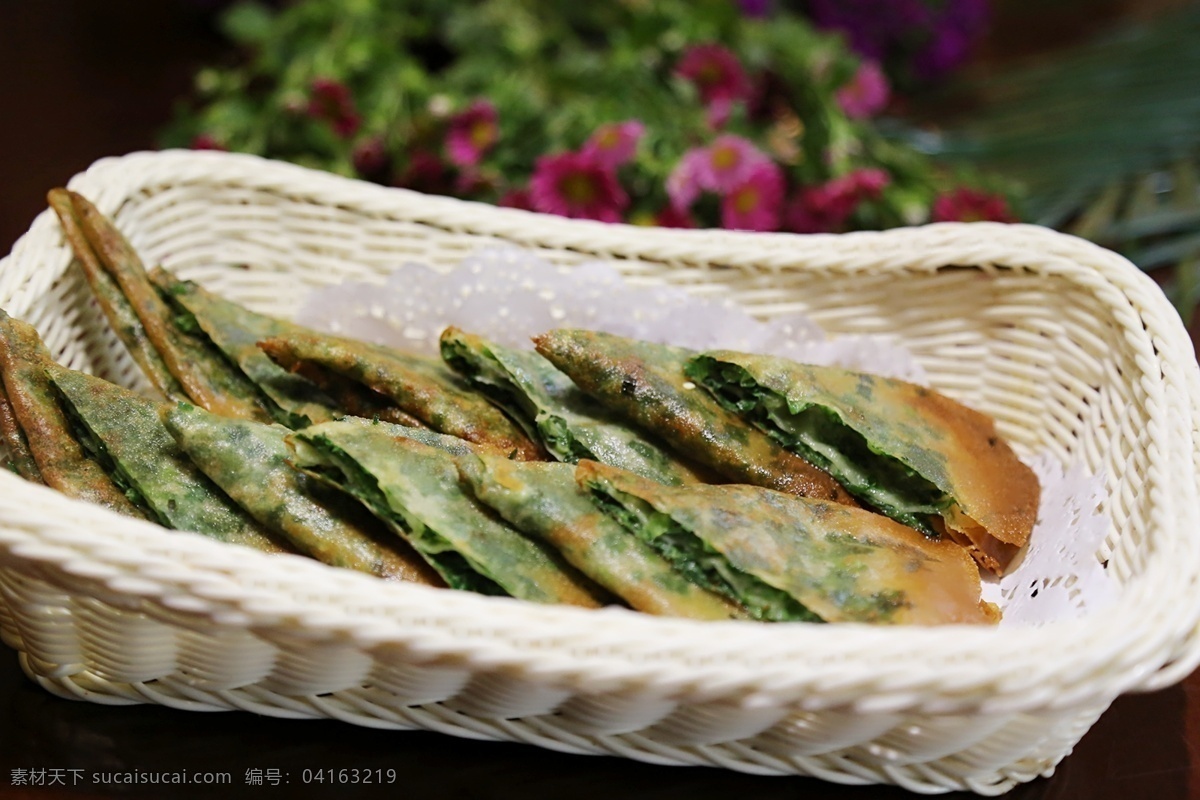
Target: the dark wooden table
(80, 80)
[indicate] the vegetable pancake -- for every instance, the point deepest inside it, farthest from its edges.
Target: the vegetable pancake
(422, 387)
(60, 461)
(912, 453)
(793, 558)
(250, 462)
(414, 487)
(235, 331)
(541, 498)
(644, 384)
(553, 410)
(122, 431)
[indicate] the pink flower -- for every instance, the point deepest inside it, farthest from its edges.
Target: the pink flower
(206, 141)
(574, 185)
(330, 100)
(866, 93)
(723, 166)
(869, 183)
(828, 206)
(683, 184)
(472, 134)
(845, 193)
(615, 143)
(370, 156)
(965, 204)
(517, 198)
(719, 112)
(729, 162)
(715, 71)
(755, 203)
(672, 217)
(425, 172)
(815, 210)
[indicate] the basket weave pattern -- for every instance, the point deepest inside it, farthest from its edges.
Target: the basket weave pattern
(1067, 345)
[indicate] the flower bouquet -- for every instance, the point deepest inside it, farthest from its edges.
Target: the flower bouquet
(684, 114)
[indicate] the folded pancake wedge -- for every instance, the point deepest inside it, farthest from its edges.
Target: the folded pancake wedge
(122, 431)
(250, 462)
(792, 558)
(16, 446)
(349, 397)
(414, 487)
(422, 387)
(205, 375)
(914, 454)
(553, 410)
(644, 384)
(60, 461)
(235, 331)
(541, 498)
(116, 307)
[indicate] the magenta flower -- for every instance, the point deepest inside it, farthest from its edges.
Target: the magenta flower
(728, 163)
(472, 134)
(869, 183)
(206, 141)
(615, 143)
(672, 217)
(828, 206)
(370, 156)
(718, 114)
(715, 71)
(755, 203)
(721, 167)
(811, 211)
(683, 184)
(867, 92)
(574, 185)
(517, 198)
(425, 172)
(330, 100)
(845, 193)
(966, 204)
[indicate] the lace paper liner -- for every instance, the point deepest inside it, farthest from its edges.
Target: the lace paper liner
(510, 294)
(1058, 576)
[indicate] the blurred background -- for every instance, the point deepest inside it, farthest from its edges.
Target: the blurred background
(779, 115)
(775, 115)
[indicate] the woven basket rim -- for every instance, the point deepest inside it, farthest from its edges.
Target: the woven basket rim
(751, 662)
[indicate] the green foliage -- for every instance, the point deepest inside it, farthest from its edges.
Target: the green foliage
(1105, 139)
(554, 72)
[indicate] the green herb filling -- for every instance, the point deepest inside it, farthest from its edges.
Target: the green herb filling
(822, 438)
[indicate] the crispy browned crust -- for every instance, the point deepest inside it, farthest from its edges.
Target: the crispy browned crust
(117, 309)
(993, 487)
(249, 461)
(348, 396)
(995, 495)
(645, 385)
(16, 446)
(421, 387)
(207, 379)
(844, 564)
(60, 460)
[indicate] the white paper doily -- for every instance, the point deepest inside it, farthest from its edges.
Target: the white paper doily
(509, 295)
(1058, 576)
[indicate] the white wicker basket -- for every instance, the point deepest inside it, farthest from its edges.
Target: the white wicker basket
(1068, 345)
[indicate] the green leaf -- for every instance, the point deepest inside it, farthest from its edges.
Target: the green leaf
(248, 23)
